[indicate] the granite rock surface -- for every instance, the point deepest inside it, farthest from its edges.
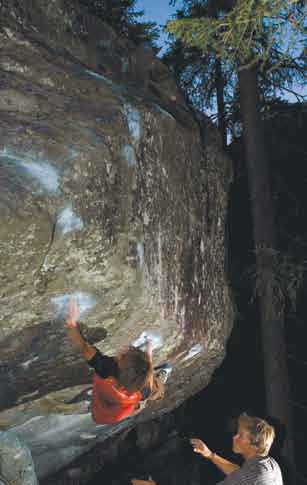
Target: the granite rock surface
(108, 192)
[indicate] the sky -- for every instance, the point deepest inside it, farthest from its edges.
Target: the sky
(158, 11)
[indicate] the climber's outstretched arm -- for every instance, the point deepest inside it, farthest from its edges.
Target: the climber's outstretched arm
(148, 351)
(73, 331)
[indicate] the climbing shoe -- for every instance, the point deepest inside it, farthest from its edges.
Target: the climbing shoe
(163, 371)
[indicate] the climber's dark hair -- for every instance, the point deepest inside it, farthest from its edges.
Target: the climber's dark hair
(135, 369)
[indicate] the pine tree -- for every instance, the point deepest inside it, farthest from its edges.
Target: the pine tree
(210, 82)
(124, 18)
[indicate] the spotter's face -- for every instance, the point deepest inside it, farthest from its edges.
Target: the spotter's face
(241, 443)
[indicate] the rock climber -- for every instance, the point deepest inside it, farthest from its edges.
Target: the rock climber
(121, 384)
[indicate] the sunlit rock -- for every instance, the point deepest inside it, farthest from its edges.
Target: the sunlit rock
(108, 193)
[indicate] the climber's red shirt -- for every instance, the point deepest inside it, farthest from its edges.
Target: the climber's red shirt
(111, 403)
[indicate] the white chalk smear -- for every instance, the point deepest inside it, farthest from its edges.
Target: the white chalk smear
(133, 119)
(183, 322)
(85, 302)
(128, 154)
(88, 436)
(27, 364)
(68, 221)
(18, 456)
(154, 337)
(42, 171)
(196, 349)
(140, 252)
(98, 76)
(202, 246)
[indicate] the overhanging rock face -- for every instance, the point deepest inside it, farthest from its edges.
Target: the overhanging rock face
(107, 193)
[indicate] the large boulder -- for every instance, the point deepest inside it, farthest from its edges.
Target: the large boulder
(108, 192)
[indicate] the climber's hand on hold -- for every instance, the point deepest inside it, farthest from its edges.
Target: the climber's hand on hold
(73, 314)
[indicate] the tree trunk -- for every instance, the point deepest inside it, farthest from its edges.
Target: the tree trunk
(271, 310)
(220, 85)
